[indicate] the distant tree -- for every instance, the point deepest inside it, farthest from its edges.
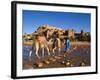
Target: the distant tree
(84, 37)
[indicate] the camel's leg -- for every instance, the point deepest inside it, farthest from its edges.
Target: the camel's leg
(54, 50)
(43, 52)
(47, 49)
(59, 45)
(37, 48)
(59, 50)
(30, 53)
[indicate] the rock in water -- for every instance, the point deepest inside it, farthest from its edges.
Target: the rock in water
(71, 65)
(46, 62)
(67, 63)
(63, 62)
(82, 64)
(52, 59)
(57, 57)
(39, 64)
(64, 55)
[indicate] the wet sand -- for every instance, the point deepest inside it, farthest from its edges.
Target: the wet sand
(78, 55)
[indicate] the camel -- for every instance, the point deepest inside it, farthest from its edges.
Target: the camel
(56, 45)
(40, 42)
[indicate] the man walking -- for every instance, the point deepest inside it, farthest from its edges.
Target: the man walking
(67, 44)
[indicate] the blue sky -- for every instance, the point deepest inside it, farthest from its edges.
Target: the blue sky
(65, 20)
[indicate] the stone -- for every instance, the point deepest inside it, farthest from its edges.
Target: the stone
(40, 64)
(63, 62)
(82, 64)
(67, 63)
(52, 59)
(46, 61)
(57, 57)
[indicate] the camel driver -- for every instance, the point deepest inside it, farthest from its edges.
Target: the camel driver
(55, 36)
(67, 44)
